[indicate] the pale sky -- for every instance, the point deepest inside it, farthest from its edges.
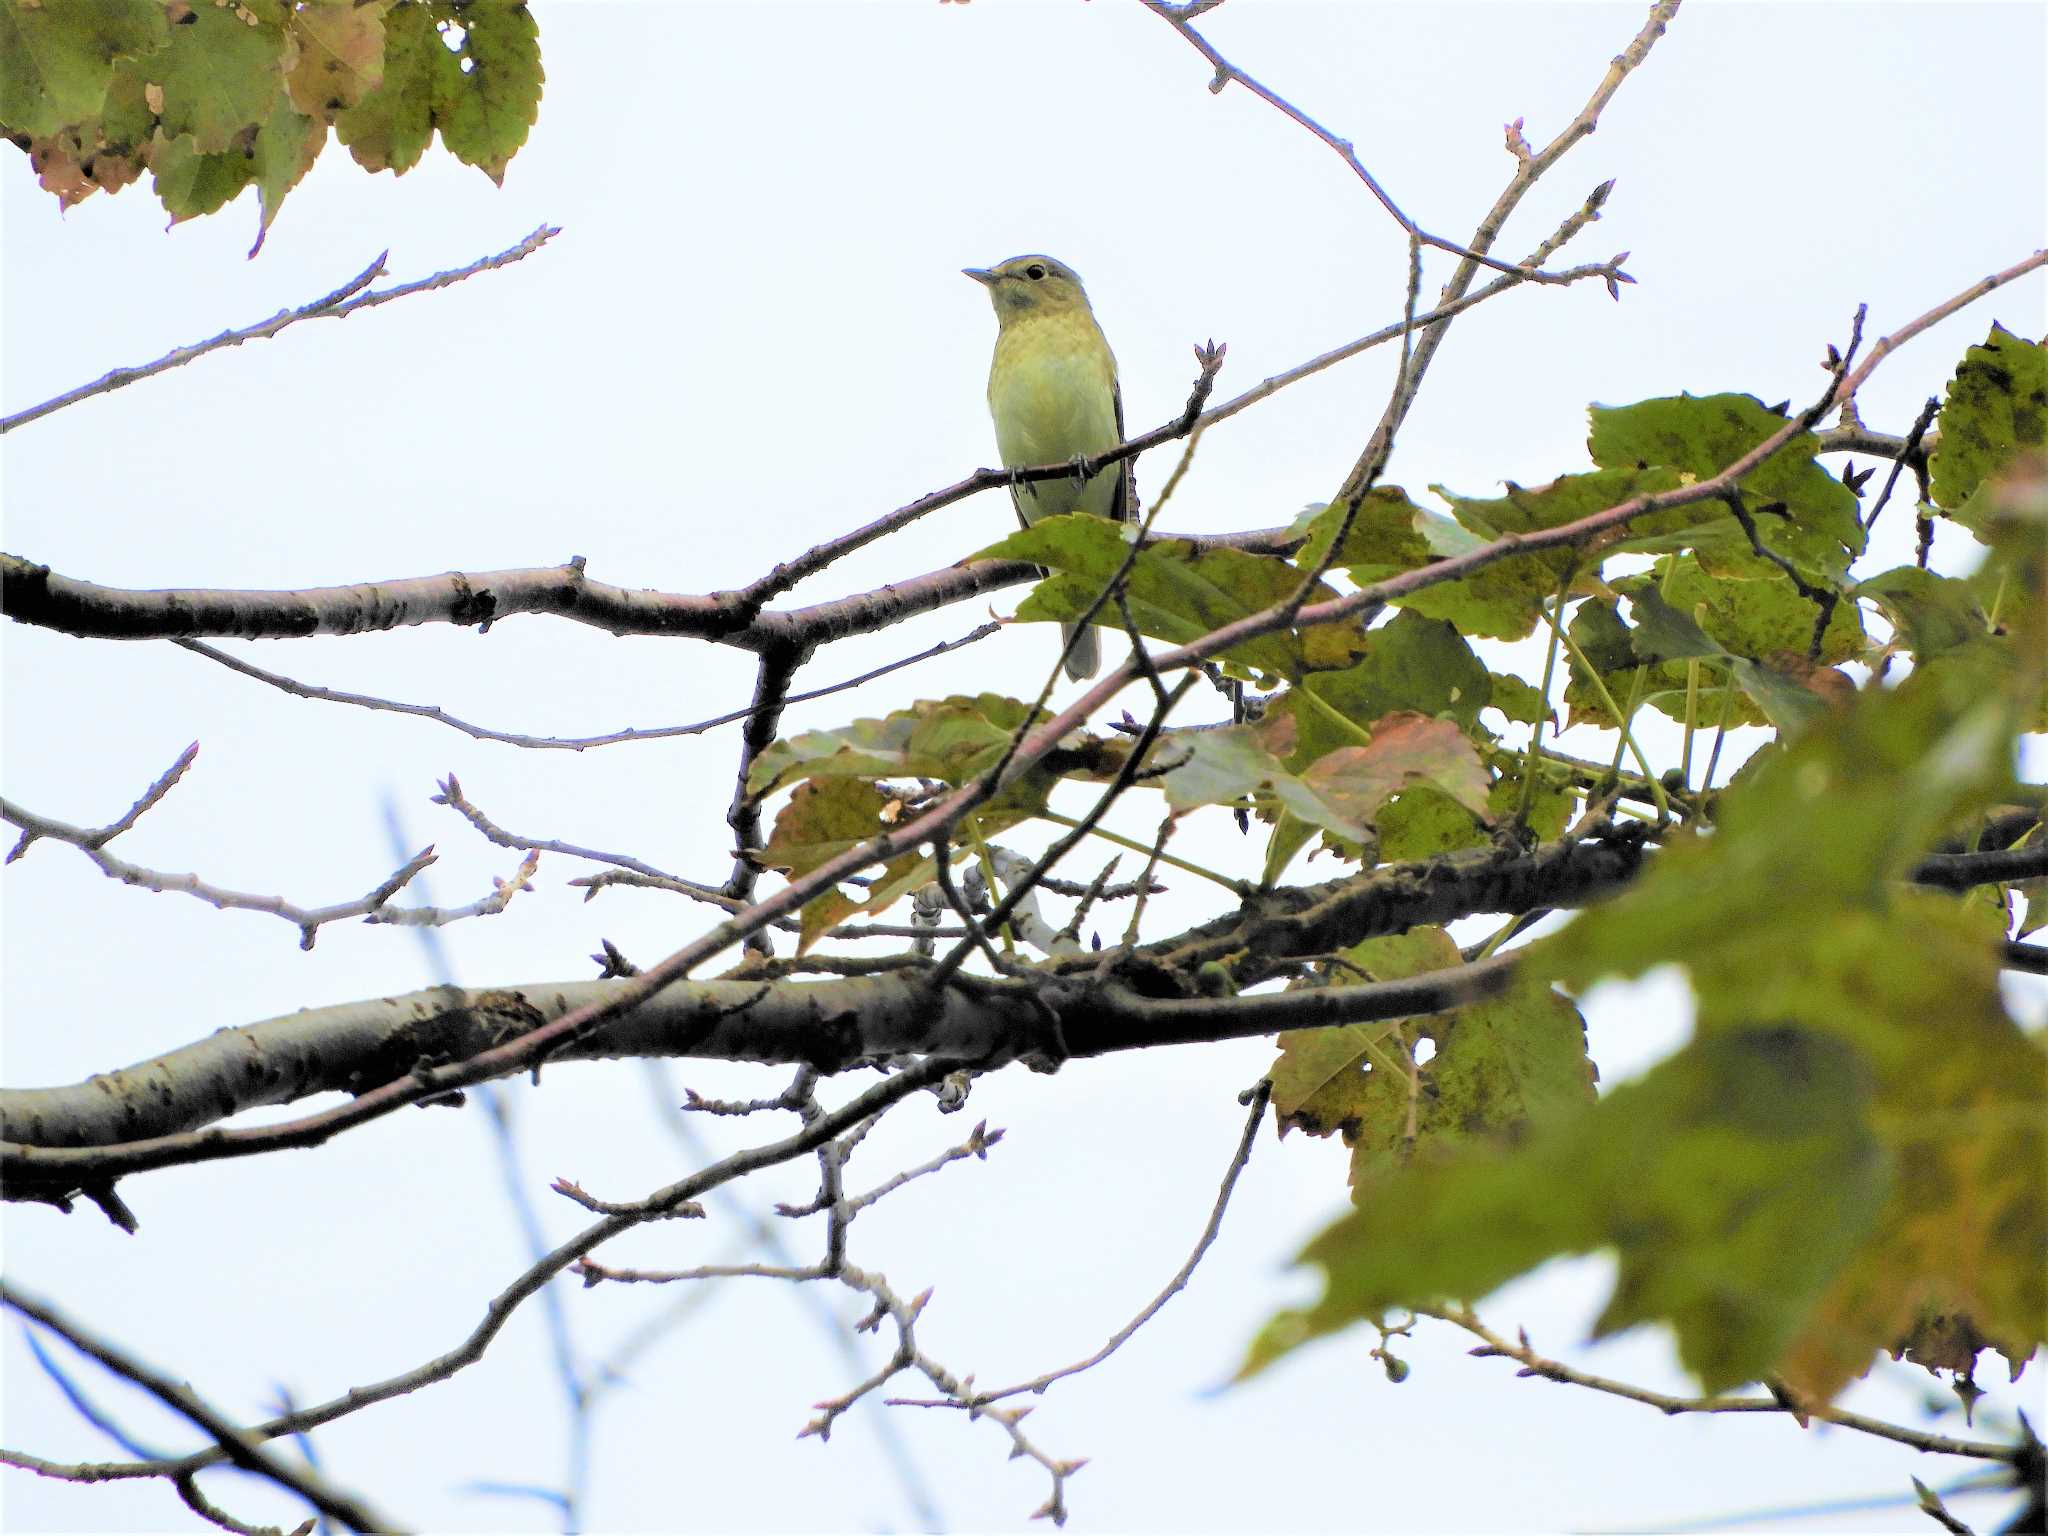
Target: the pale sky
(752, 335)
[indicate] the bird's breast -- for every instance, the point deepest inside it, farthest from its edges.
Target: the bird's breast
(1052, 395)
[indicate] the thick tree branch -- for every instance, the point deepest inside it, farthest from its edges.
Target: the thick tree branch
(56, 1141)
(157, 1109)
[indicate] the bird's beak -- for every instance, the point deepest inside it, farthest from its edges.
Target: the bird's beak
(981, 275)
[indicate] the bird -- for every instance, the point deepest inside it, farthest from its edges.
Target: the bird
(1052, 391)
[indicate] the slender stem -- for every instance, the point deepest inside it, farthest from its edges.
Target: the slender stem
(1230, 885)
(1692, 710)
(1628, 741)
(1720, 731)
(1528, 797)
(1335, 716)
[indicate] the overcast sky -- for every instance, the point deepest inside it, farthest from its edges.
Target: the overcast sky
(752, 335)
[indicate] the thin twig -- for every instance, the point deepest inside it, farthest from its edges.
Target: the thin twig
(1534, 1364)
(1909, 454)
(451, 795)
(471, 1349)
(346, 300)
(1180, 17)
(231, 1443)
(1258, 1097)
(1530, 167)
(441, 716)
(978, 1141)
(373, 906)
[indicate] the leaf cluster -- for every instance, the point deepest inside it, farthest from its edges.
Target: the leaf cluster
(212, 97)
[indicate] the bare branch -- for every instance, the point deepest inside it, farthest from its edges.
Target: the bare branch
(1534, 1364)
(1530, 167)
(824, 1127)
(346, 300)
(1260, 1093)
(978, 1141)
(374, 906)
(1180, 17)
(771, 694)
(1912, 451)
(231, 1443)
(441, 716)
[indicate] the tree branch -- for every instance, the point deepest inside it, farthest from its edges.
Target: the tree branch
(346, 300)
(232, 1443)
(1534, 1364)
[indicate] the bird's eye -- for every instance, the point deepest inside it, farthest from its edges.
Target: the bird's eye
(1034, 272)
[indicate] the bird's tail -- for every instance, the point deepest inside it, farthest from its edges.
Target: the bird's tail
(1084, 652)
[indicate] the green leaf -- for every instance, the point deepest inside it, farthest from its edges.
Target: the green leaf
(1327, 1080)
(825, 911)
(1791, 911)
(1550, 805)
(1384, 537)
(1602, 638)
(1176, 591)
(1422, 822)
(1664, 634)
(1289, 836)
(1501, 1069)
(949, 739)
(1504, 600)
(1931, 613)
(1828, 821)
(1758, 625)
(1801, 511)
(1411, 663)
(824, 818)
(1531, 509)
(1231, 765)
(1997, 405)
(1519, 700)
(56, 60)
(1961, 1109)
(1501, 601)
(487, 95)
(190, 184)
(391, 126)
(1730, 1181)
(286, 146)
(220, 77)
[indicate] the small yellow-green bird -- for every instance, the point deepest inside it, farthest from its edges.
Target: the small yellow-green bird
(1053, 393)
